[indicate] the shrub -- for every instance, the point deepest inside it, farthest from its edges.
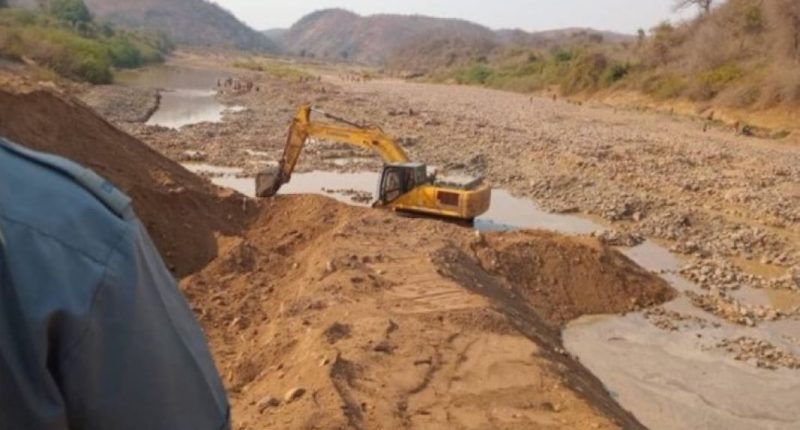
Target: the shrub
(124, 53)
(664, 86)
(73, 12)
(661, 44)
(754, 20)
(615, 73)
(69, 55)
(584, 73)
(81, 51)
(563, 55)
(148, 54)
(722, 75)
(10, 17)
(11, 44)
(475, 74)
(707, 85)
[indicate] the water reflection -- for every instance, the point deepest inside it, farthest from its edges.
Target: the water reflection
(187, 96)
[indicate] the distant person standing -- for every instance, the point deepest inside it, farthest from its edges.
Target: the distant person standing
(94, 333)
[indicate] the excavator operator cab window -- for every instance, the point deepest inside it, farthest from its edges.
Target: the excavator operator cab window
(391, 185)
(399, 179)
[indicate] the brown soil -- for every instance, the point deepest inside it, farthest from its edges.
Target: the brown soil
(565, 278)
(181, 211)
(388, 322)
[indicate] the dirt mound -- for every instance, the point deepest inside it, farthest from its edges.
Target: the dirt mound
(563, 278)
(386, 322)
(181, 211)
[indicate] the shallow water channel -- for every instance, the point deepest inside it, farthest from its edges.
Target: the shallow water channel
(668, 380)
(188, 95)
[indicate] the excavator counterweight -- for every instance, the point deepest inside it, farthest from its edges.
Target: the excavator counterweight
(404, 185)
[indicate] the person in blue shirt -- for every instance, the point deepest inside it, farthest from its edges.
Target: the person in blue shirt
(94, 332)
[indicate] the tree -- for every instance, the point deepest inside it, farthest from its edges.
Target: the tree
(3, 3)
(74, 12)
(661, 43)
(703, 5)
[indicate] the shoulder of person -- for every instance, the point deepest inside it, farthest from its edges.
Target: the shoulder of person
(60, 200)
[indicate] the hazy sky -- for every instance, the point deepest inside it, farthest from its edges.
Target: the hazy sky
(618, 15)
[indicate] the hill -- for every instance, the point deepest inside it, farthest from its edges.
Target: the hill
(337, 34)
(275, 34)
(186, 22)
(549, 38)
(413, 43)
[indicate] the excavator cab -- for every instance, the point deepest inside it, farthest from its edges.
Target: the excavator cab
(398, 179)
(407, 187)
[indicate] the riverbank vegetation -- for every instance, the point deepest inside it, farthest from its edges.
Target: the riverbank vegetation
(737, 53)
(62, 36)
(273, 68)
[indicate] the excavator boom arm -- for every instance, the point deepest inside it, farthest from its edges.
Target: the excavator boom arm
(303, 129)
(372, 139)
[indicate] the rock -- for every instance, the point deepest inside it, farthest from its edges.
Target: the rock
(616, 238)
(294, 394)
(266, 403)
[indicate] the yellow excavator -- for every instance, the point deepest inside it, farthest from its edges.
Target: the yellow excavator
(404, 186)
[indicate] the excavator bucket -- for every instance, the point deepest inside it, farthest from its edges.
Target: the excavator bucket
(271, 179)
(268, 182)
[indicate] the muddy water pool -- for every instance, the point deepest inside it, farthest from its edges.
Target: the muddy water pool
(188, 95)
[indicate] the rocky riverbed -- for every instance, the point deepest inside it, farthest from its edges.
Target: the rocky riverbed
(729, 205)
